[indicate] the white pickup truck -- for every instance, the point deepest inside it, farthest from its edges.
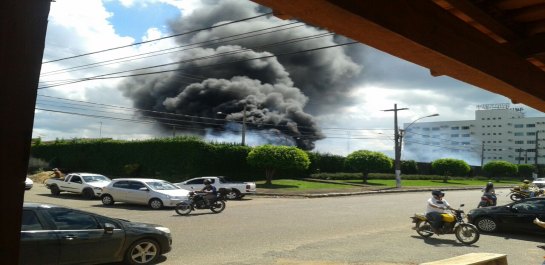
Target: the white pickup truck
(87, 184)
(237, 189)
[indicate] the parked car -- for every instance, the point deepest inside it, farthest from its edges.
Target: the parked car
(52, 234)
(153, 192)
(89, 185)
(28, 183)
(539, 182)
(237, 190)
(516, 216)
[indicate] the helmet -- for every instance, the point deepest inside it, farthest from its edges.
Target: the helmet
(207, 182)
(437, 193)
(55, 169)
(489, 185)
(526, 181)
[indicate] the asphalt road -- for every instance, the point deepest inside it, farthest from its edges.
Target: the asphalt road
(363, 229)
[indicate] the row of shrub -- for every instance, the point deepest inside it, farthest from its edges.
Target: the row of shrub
(387, 176)
(180, 158)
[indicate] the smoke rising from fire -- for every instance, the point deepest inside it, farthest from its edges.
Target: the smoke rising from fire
(281, 94)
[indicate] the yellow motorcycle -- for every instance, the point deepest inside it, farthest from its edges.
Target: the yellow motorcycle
(453, 223)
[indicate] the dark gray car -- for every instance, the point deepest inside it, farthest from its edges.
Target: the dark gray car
(52, 234)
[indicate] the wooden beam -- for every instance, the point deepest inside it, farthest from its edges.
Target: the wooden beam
(482, 18)
(421, 32)
(530, 47)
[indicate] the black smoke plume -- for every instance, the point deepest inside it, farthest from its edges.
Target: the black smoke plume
(280, 94)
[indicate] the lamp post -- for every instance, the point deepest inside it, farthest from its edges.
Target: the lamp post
(243, 136)
(399, 139)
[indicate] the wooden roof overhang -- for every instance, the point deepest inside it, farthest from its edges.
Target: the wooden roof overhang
(495, 45)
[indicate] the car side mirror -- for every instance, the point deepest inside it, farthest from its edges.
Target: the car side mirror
(109, 228)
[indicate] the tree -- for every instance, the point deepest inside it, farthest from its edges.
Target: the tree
(366, 162)
(525, 171)
(272, 158)
(450, 167)
(497, 169)
(409, 167)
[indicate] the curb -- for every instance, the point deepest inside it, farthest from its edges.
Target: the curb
(371, 192)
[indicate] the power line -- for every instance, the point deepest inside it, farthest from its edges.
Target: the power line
(158, 39)
(85, 103)
(105, 76)
(163, 51)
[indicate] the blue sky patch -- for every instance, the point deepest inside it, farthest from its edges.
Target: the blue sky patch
(136, 20)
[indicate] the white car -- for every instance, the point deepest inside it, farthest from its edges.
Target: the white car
(539, 182)
(153, 192)
(28, 183)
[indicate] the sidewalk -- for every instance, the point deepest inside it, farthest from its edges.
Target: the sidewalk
(358, 189)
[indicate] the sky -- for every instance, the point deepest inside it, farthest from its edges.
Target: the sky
(300, 85)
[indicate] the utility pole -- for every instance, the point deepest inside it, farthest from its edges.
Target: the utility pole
(526, 156)
(482, 155)
(244, 125)
(520, 157)
(536, 174)
(397, 146)
(537, 148)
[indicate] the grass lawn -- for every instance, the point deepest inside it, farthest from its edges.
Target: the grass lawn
(293, 184)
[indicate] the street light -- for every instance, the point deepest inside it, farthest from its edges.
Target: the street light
(399, 141)
(243, 136)
(402, 131)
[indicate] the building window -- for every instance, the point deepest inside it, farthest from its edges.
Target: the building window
(531, 142)
(531, 150)
(530, 125)
(519, 142)
(435, 129)
(454, 135)
(455, 128)
(426, 129)
(465, 127)
(530, 133)
(519, 134)
(465, 135)
(519, 125)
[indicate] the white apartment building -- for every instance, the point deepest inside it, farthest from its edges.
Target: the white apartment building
(498, 132)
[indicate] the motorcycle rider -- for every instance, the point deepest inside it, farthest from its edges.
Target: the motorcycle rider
(490, 192)
(209, 191)
(435, 207)
(525, 187)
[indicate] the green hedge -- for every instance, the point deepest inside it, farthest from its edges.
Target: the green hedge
(352, 176)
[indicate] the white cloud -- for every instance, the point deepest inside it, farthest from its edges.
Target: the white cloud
(77, 27)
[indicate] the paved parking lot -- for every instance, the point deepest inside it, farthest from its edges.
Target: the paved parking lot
(368, 229)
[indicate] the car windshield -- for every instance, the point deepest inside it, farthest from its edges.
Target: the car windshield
(161, 185)
(95, 178)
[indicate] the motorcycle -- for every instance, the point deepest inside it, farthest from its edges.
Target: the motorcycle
(516, 194)
(453, 223)
(196, 201)
(486, 201)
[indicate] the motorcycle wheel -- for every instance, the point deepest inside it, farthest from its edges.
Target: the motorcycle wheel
(423, 228)
(183, 208)
(218, 206)
(515, 197)
(467, 234)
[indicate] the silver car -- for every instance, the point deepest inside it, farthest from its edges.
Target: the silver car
(153, 192)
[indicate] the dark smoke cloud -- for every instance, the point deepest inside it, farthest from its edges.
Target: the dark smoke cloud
(280, 94)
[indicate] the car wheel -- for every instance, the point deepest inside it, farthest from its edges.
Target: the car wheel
(88, 194)
(107, 199)
(487, 224)
(142, 252)
(233, 194)
(55, 190)
(156, 204)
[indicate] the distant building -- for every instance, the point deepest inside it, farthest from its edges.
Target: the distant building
(498, 132)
